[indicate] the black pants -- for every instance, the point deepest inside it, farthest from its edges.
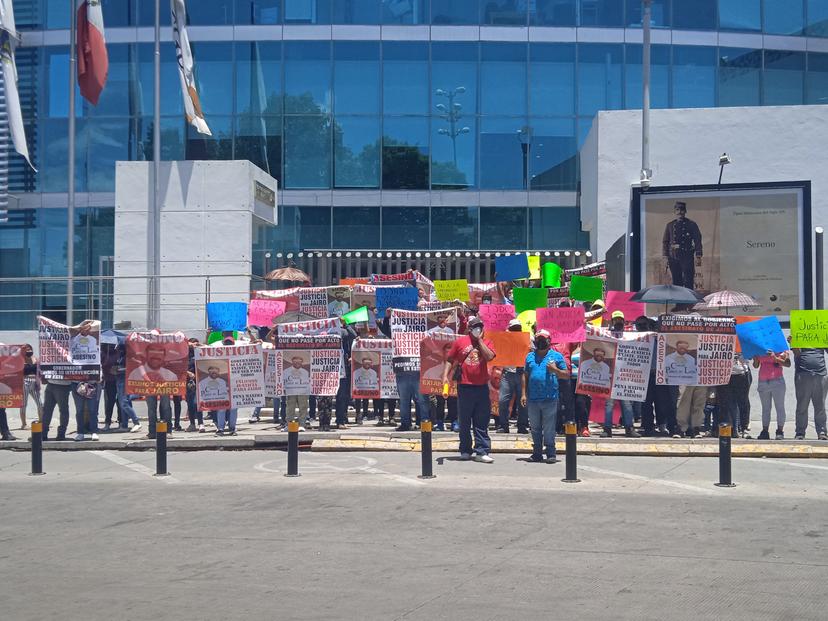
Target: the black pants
(4, 424)
(379, 408)
(361, 407)
(176, 400)
(343, 397)
(566, 404)
(438, 410)
(733, 401)
(582, 405)
(56, 395)
(111, 401)
(683, 269)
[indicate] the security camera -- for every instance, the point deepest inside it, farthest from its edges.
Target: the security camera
(724, 159)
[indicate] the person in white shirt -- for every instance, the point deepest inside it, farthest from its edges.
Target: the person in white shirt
(365, 377)
(213, 387)
(595, 372)
(296, 378)
(680, 366)
(153, 369)
(83, 347)
(442, 326)
(338, 306)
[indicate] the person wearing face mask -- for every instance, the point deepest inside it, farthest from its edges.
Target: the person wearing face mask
(472, 355)
(627, 414)
(31, 385)
(510, 383)
(543, 368)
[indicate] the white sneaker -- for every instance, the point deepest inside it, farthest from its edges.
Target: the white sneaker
(484, 459)
(135, 427)
(465, 457)
(94, 436)
(253, 419)
(79, 437)
(301, 428)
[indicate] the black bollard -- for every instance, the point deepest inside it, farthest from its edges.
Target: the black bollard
(571, 430)
(425, 450)
(293, 449)
(161, 449)
(725, 478)
(37, 448)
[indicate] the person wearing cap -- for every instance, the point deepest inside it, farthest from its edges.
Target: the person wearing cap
(595, 311)
(627, 413)
(472, 354)
(543, 368)
(510, 387)
(682, 247)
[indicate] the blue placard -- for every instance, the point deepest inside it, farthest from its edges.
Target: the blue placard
(513, 267)
(757, 337)
(227, 315)
(404, 298)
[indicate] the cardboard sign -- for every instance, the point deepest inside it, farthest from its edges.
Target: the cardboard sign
(510, 348)
(528, 299)
(359, 315)
(615, 365)
(513, 267)
(227, 315)
(354, 281)
(565, 324)
(450, 290)
(263, 312)
(229, 377)
(156, 363)
(496, 317)
(433, 356)
(586, 288)
(551, 275)
(534, 267)
(620, 301)
(69, 353)
(757, 337)
(404, 298)
(527, 319)
(11, 376)
(809, 328)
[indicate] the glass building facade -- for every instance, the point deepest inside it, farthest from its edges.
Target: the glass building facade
(389, 124)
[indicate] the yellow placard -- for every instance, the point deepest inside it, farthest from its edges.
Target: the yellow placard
(534, 267)
(450, 290)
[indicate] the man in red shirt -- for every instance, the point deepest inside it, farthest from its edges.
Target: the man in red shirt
(472, 353)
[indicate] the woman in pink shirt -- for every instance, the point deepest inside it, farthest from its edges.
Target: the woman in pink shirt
(771, 387)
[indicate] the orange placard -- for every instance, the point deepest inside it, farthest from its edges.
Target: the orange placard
(354, 281)
(742, 319)
(510, 348)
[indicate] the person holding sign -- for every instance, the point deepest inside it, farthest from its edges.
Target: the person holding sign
(810, 383)
(627, 412)
(510, 387)
(771, 388)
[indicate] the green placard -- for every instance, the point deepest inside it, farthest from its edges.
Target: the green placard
(586, 288)
(551, 275)
(215, 337)
(809, 328)
(528, 299)
(358, 315)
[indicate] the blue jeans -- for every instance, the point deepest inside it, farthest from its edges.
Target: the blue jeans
(626, 412)
(474, 411)
(229, 416)
(127, 411)
(91, 406)
(543, 416)
(408, 385)
(510, 387)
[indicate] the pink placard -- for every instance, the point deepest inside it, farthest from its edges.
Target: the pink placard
(262, 312)
(496, 317)
(620, 300)
(565, 324)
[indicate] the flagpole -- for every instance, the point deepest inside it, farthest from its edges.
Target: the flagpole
(70, 224)
(154, 319)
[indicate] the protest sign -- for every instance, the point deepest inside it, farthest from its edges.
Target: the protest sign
(69, 353)
(510, 348)
(308, 365)
(597, 269)
(272, 372)
(314, 301)
(694, 350)
(565, 324)
(408, 328)
(527, 319)
(263, 312)
(756, 338)
(372, 370)
(365, 295)
(529, 299)
(551, 275)
(620, 301)
(11, 376)
(319, 302)
(227, 315)
(434, 352)
(229, 376)
(534, 266)
(496, 317)
(354, 281)
(338, 301)
(484, 293)
(512, 267)
(450, 290)
(739, 320)
(307, 328)
(156, 363)
(404, 298)
(215, 337)
(412, 278)
(586, 288)
(809, 328)
(615, 365)
(289, 296)
(360, 315)
(432, 306)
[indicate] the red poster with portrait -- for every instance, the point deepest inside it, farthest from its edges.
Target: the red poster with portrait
(157, 363)
(11, 376)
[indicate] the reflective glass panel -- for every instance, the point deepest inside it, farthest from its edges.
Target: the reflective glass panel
(659, 76)
(503, 79)
(659, 13)
(307, 152)
(405, 227)
(258, 77)
(307, 11)
(504, 149)
(694, 76)
(599, 77)
(405, 11)
(314, 225)
(307, 77)
(503, 12)
(739, 76)
(786, 17)
(817, 80)
(454, 228)
(171, 101)
(356, 227)
(784, 79)
(740, 15)
(551, 79)
(602, 13)
(259, 139)
(817, 12)
(356, 77)
(454, 77)
(454, 12)
(214, 77)
(356, 12)
(356, 152)
(258, 11)
(107, 141)
(694, 15)
(502, 228)
(405, 153)
(553, 155)
(552, 13)
(453, 145)
(219, 146)
(405, 77)
(554, 228)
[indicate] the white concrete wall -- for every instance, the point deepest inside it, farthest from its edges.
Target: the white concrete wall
(207, 212)
(778, 143)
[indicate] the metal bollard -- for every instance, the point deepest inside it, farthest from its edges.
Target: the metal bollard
(725, 479)
(293, 449)
(571, 430)
(425, 450)
(37, 449)
(161, 449)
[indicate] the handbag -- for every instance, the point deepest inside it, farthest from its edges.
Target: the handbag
(87, 390)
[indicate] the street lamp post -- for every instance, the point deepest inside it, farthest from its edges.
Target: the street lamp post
(452, 114)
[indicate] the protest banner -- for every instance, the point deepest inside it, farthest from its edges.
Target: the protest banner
(534, 266)
(597, 269)
(365, 295)
(308, 365)
(412, 278)
(434, 352)
(215, 337)
(529, 299)
(615, 367)
(350, 282)
(156, 363)
(408, 328)
(551, 275)
(510, 348)
(372, 370)
(758, 337)
(565, 324)
(694, 350)
(339, 301)
(263, 312)
(404, 298)
(229, 376)
(484, 293)
(272, 372)
(511, 267)
(620, 301)
(289, 296)
(557, 295)
(227, 315)
(360, 315)
(11, 376)
(319, 302)
(496, 317)
(69, 353)
(739, 320)
(432, 306)
(586, 288)
(809, 328)
(450, 290)
(314, 301)
(308, 328)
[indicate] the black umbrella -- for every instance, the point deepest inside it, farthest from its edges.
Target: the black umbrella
(667, 294)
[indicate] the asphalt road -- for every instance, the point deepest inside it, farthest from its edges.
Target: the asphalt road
(358, 536)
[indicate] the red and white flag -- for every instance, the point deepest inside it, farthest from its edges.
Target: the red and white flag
(93, 61)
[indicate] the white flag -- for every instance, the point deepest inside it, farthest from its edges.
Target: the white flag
(192, 105)
(13, 111)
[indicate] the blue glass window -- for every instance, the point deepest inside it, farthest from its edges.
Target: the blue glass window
(356, 227)
(258, 77)
(503, 12)
(659, 76)
(307, 152)
(739, 76)
(107, 141)
(356, 78)
(599, 77)
(659, 13)
(259, 139)
(213, 13)
(258, 11)
(817, 80)
(784, 79)
(504, 148)
(554, 228)
(57, 13)
(117, 98)
(219, 146)
(695, 15)
(740, 15)
(307, 77)
(356, 152)
(502, 228)
(602, 13)
(454, 12)
(171, 101)
(356, 12)
(405, 153)
(454, 76)
(503, 79)
(307, 11)
(314, 227)
(405, 11)
(551, 79)
(405, 227)
(405, 78)
(453, 145)
(214, 77)
(115, 14)
(785, 17)
(552, 13)
(553, 155)
(817, 12)
(454, 228)
(694, 76)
